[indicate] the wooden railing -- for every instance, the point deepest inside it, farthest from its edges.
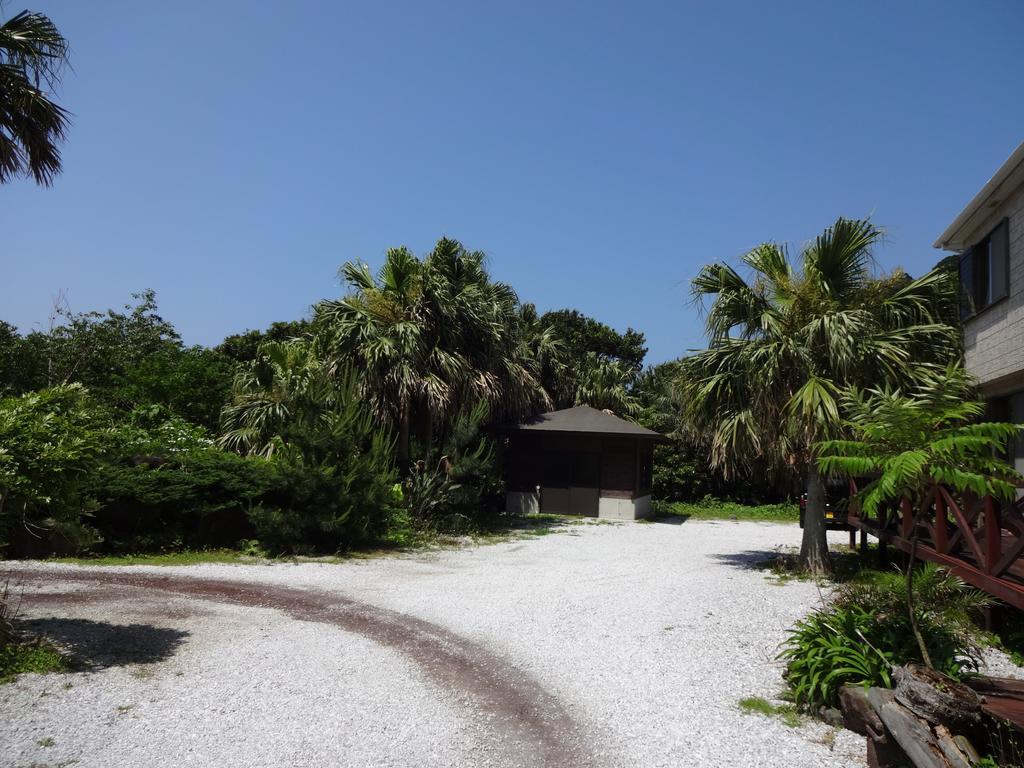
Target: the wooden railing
(977, 538)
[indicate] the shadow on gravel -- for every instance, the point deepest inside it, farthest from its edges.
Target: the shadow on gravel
(99, 644)
(670, 519)
(751, 559)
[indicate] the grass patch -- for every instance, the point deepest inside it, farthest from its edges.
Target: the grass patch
(755, 705)
(717, 509)
(36, 656)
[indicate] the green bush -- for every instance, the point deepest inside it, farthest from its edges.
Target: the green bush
(334, 485)
(866, 631)
(199, 498)
(50, 441)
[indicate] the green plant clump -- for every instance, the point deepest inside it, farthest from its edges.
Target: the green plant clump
(710, 508)
(866, 632)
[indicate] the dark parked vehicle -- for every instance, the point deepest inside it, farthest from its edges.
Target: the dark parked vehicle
(837, 496)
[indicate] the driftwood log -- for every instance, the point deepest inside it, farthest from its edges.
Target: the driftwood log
(937, 698)
(923, 722)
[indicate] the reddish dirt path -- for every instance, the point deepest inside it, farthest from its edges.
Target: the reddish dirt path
(527, 724)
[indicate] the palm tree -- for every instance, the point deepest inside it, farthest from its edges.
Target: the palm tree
(783, 346)
(430, 337)
(286, 388)
(32, 55)
(604, 383)
(379, 327)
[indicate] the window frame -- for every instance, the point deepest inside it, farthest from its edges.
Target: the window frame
(969, 307)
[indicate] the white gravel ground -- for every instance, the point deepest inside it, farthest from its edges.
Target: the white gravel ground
(647, 635)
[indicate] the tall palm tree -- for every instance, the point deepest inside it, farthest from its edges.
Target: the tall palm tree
(379, 327)
(783, 346)
(33, 54)
(429, 337)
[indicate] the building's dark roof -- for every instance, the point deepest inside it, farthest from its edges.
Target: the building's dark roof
(584, 419)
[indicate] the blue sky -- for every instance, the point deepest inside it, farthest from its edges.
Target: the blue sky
(231, 155)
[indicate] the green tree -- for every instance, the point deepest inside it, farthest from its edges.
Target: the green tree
(783, 346)
(33, 55)
(585, 346)
(49, 443)
(285, 391)
(192, 382)
(430, 337)
(126, 359)
(244, 347)
(604, 382)
(909, 443)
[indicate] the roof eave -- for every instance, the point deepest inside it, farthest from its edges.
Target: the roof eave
(1009, 176)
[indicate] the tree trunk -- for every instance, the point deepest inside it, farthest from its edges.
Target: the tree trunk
(403, 441)
(814, 547)
(911, 609)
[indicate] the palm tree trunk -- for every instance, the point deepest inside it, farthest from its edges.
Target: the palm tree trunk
(403, 441)
(814, 547)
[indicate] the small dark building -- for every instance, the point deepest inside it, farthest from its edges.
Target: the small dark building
(580, 461)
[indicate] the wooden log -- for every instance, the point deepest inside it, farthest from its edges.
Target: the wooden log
(949, 748)
(937, 698)
(858, 716)
(996, 686)
(910, 732)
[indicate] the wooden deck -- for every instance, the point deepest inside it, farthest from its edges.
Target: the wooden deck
(978, 539)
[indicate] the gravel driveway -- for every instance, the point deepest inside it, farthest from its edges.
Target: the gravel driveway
(604, 645)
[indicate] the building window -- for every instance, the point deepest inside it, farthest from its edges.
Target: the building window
(985, 271)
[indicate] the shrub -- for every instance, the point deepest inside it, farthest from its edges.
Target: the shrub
(49, 442)
(866, 631)
(334, 485)
(198, 498)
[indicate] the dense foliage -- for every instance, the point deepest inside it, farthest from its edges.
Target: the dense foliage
(866, 631)
(126, 359)
(369, 421)
(372, 419)
(49, 442)
(591, 364)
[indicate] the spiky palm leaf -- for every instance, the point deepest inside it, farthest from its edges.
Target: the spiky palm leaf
(33, 54)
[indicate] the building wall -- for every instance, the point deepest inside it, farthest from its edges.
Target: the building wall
(994, 339)
(611, 508)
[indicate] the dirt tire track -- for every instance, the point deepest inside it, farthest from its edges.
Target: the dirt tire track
(526, 723)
